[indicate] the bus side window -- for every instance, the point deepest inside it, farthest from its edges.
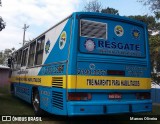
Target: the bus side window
(31, 54)
(39, 51)
(19, 59)
(9, 62)
(24, 57)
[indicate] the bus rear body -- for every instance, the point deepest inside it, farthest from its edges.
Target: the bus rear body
(93, 64)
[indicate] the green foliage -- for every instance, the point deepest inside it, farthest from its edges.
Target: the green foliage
(110, 11)
(154, 43)
(155, 78)
(149, 20)
(157, 14)
(154, 6)
(5, 55)
(1, 58)
(2, 24)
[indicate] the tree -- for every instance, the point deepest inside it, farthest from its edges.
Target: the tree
(154, 43)
(2, 23)
(154, 6)
(93, 6)
(1, 58)
(154, 47)
(110, 11)
(149, 20)
(4, 55)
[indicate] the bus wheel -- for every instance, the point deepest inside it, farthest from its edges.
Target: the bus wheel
(36, 103)
(12, 89)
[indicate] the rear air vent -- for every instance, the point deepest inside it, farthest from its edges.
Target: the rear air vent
(93, 29)
(57, 99)
(57, 82)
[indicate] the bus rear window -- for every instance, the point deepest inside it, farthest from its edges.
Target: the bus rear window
(93, 29)
(112, 37)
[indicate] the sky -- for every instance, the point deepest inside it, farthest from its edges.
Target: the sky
(40, 15)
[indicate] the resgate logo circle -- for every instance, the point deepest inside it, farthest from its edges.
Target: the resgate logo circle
(118, 30)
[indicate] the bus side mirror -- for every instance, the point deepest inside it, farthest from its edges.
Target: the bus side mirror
(9, 62)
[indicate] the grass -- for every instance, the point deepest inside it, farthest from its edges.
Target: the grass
(5, 89)
(10, 105)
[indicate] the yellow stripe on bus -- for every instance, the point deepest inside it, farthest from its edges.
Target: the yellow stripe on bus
(110, 82)
(40, 80)
(86, 82)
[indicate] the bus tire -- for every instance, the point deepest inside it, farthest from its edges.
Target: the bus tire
(36, 103)
(12, 89)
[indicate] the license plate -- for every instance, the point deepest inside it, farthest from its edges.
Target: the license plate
(115, 96)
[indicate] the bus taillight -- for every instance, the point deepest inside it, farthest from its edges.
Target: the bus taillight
(79, 96)
(143, 95)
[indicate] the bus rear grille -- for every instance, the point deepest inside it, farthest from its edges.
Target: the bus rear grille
(57, 82)
(93, 29)
(57, 99)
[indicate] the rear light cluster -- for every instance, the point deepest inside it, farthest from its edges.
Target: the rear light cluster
(79, 96)
(143, 96)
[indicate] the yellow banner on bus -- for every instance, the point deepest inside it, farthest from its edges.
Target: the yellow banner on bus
(86, 82)
(109, 82)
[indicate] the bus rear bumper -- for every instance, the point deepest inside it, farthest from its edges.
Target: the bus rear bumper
(104, 108)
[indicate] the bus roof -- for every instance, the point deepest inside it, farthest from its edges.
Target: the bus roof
(91, 14)
(105, 15)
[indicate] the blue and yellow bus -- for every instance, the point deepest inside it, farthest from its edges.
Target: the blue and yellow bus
(87, 64)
